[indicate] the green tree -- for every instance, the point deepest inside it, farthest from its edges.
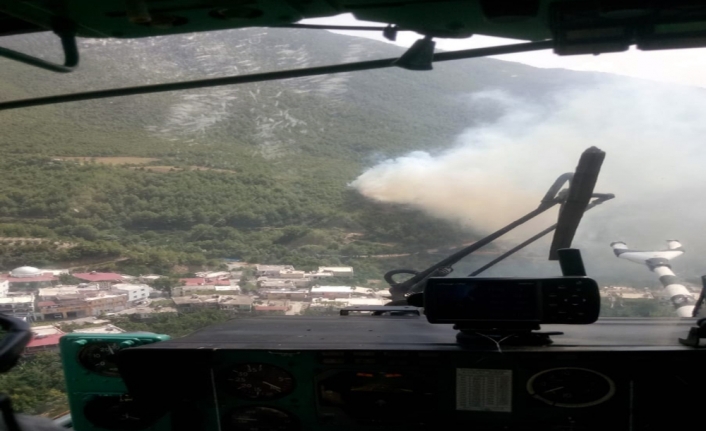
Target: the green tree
(36, 385)
(69, 279)
(165, 284)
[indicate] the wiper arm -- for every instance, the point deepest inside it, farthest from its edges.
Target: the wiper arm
(575, 201)
(580, 192)
(399, 291)
(599, 199)
(702, 297)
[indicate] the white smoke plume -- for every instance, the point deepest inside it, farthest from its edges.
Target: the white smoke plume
(654, 136)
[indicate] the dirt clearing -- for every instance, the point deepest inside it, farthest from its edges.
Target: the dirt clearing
(110, 160)
(166, 169)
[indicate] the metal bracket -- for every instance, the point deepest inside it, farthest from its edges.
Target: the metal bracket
(69, 46)
(696, 333)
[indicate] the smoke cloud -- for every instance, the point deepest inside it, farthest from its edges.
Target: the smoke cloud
(653, 135)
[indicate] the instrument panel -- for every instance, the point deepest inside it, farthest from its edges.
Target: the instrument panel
(97, 394)
(259, 418)
(257, 381)
(99, 358)
(390, 390)
(571, 387)
(203, 382)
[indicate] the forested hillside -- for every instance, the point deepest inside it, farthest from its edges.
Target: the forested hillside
(258, 172)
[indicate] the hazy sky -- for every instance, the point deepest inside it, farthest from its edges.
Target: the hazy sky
(685, 66)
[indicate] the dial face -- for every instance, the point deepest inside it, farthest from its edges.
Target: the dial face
(116, 413)
(257, 418)
(571, 387)
(259, 381)
(100, 358)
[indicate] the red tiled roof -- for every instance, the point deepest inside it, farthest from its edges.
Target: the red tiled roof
(98, 276)
(193, 281)
(270, 308)
(45, 303)
(48, 276)
(49, 340)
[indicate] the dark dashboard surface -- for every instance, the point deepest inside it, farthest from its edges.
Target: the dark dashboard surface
(405, 332)
(400, 372)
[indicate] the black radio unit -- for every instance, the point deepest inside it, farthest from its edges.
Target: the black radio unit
(566, 300)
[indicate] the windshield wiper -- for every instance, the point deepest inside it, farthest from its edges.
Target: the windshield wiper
(577, 200)
(599, 199)
(702, 296)
(67, 35)
(574, 201)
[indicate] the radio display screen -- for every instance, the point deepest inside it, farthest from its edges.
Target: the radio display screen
(491, 300)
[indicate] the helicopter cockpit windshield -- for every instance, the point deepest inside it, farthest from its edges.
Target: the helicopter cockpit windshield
(351, 214)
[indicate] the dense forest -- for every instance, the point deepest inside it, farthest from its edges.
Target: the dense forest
(94, 212)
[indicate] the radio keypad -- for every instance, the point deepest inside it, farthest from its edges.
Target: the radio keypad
(566, 302)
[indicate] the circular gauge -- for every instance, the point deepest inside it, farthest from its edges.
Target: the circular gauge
(571, 387)
(117, 413)
(257, 418)
(259, 381)
(100, 358)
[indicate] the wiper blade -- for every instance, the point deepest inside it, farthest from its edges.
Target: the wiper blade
(579, 196)
(270, 76)
(599, 199)
(702, 296)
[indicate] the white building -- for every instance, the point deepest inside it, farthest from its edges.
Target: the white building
(271, 270)
(151, 278)
(56, 272)
(337, 271)
(331, 291)
(346, 302)
(135, 292)
(363, 291)
(217, 275)
(268, 283)
(291, 274)
(106, 304)
(365, 301)
(319, 275)
(105, 329)
(26, 272)
(4, 287)
(20, 306)
(233, 287)
(45, 330)
(87, 290)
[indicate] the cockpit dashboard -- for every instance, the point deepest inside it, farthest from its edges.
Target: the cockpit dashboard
(385, 372)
